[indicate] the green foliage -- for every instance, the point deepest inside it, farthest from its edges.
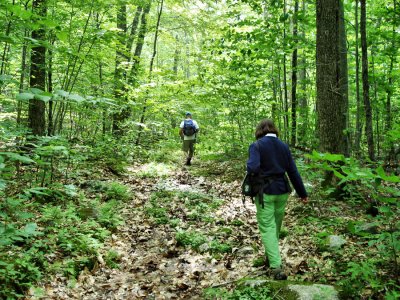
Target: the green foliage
(217, 247)
(358, 276)
(355, 179)
(259, 262)
(109, 216)
(192, 239)
(158, 213)
(112, 259)
(63, 235)
(116, 191)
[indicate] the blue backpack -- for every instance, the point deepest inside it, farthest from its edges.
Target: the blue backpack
(189, 128)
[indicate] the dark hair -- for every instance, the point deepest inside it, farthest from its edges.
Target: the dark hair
(264, 127)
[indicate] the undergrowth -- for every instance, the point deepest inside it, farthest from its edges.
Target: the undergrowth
(49, 221)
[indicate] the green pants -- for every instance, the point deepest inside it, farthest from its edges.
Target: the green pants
(188, 147)
(269, 221)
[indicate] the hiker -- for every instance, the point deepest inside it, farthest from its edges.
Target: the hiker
(188, 130)
(271, 158)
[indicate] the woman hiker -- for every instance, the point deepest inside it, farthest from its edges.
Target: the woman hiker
(272, 159)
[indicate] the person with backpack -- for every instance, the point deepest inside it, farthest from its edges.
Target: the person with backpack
(188, 130)
(271, 159)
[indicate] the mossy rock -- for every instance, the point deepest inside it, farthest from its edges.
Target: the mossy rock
(294, 290)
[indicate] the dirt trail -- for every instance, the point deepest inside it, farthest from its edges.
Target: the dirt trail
(153, 266)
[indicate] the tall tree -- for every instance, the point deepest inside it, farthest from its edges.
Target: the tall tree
(344, 77)
(285, 88)
(120, 58)
(37, 107)
(302, 99)
(330, 105)
(367, 103)
(358, 129)
(143, 116)
(139, 44)
(389, 89)
(294, 74)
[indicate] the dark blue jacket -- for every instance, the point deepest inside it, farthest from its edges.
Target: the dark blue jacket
(275, 159)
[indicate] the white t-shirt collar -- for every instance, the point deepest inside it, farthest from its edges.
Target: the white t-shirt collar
(271, 134)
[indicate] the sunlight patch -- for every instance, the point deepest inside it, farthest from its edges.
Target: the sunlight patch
(153, 170)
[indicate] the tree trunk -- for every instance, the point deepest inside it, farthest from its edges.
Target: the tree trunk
(36, 112)
(6, 45)
(285, 88)
(389, 90)
(176, 57)
(142, 118)
(358, 131)
(294, 74)
(139, 45)
(329, 99)
(134, 27)
(120, 58)
(22, 76)
(344, 78)
(367, 103)
(302, 99)
(50, 125)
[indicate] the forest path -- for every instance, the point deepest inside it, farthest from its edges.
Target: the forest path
(216, 244)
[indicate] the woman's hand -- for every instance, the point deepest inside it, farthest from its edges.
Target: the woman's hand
(304, 200)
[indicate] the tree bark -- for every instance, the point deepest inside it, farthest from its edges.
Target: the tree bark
(302, 99)
(134, 27)
(329, 98)
(22, 76)
(358, 131)
(285, 88)
(142, 118)
(294, 75)
(36, 114)
(367, 103)
(139, 45)
(120, 58)
(176, 57)
(344, 78)
(389, 90)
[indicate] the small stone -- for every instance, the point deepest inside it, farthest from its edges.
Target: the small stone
(315, 291)
(336, 241)
(367, 228)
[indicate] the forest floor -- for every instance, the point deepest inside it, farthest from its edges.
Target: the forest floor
(185, 234)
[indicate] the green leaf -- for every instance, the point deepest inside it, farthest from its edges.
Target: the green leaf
(6, 39)
(38, 191)
(36, 91)
(62, 36)
(16, 157)
(62, 93)
(29, 230)
(25, 96)
(77, 98)
(393, 178)
(42, 98)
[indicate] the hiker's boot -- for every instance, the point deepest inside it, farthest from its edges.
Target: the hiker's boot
(188, 161)
(278, 274)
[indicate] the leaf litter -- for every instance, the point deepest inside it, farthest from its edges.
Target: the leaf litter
(154, 266)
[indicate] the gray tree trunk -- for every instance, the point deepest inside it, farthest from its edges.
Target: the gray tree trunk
(344, 78)
(36, 112)
(330, 105)
(367, 103)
